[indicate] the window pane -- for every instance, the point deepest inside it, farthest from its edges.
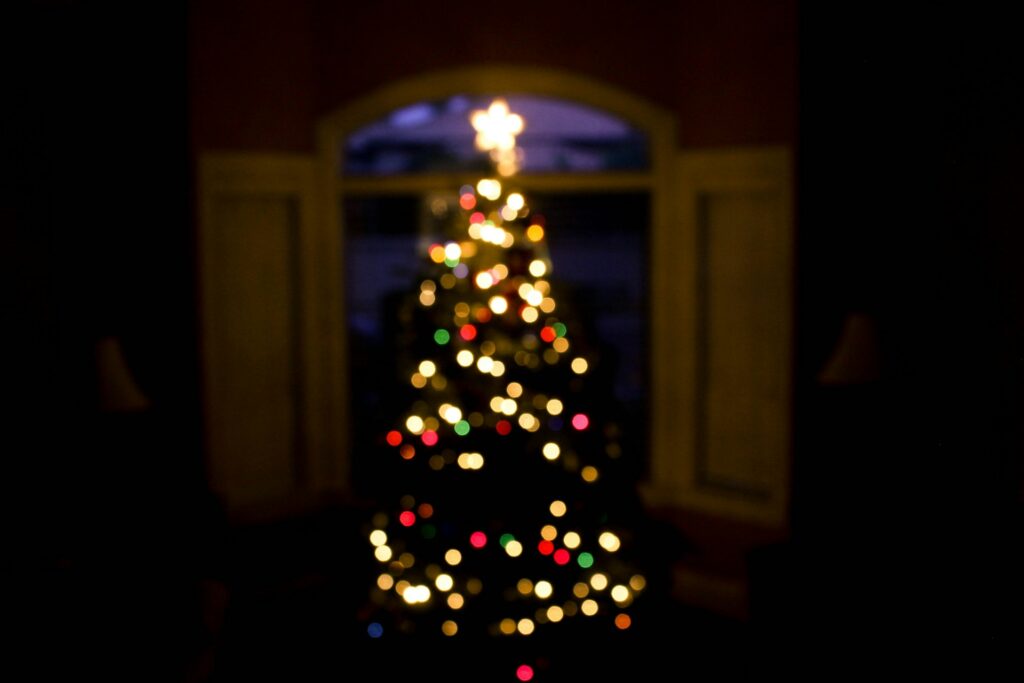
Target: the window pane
(560, 136)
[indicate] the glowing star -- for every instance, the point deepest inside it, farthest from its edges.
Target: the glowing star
(496, 128)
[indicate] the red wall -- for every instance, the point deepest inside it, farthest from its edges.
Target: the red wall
(261, 74)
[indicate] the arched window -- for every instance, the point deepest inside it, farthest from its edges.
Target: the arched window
(587, 171)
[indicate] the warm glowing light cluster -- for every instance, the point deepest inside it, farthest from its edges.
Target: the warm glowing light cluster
(499, 380)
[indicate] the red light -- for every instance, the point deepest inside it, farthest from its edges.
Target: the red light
(394, 438)
(562, 556)
(524, 672)
(467, 332)
(546, 547)
(429, 437)
(580, 421)
(478, 539)
(504, 427)
(467, 201)
(407, 518)
(407, 451)
(476, 217)
(483, 314)
(548, 334)
(426, 510)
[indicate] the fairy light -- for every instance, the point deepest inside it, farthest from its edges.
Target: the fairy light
(491, 328)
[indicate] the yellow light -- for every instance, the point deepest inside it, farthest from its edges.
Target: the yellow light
(548, 532)
(554, 407)
(498, 304)
(589, 607)
(464, 358)
(498, 369)
(428, 286)
(487, 348)
(385, 582)
(542, 286)
(402, 586)
(508, 406)
(514, 389)
(438, 382)
(416, 594)
(418, 380)
(507, 240)
(497, 127)
(453, 557)
(444, 582)
(547, 305)
(551, 450)
(570, 608)
(432, 571)
(507, 626)
(599, 581)
(508, 213)
(620, 593)
(448, 280)
(427, 298)
(470, 461)
(543, 589)
(550, 356)
(500, 271)
(484, 280)
(474, 586)
(382, 553)
(449, 628)
(452, 251)
(561, 345)
(414, 424)
(514, 548)
(524, 290)
(515, 201)
(555, 613)
(571, 540)
(581, 590)
(485, 363)
(427, 368)
(436, 462)
(529, 422)
(451, 414)
(525, 626)
(474, 230)
(637, 582)
(530, 314)
(496, 403)
(557, 508)
(378, 537)
(437, 253)
(538, 268)
(431, 423)
(589, 474)
(579, 365)
(609, 541)
(524, 586)
(461, 309)
(468, 249)
(535, 233)
(456, 601)
(489, 188)
(406, 560)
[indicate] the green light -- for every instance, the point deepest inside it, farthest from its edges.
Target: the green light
(559, 329)
(462, 428)
(451, 262)
(442, 336)
(428, 531)
(585, 560)
(506, 539)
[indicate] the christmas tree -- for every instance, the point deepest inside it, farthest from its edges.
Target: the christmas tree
(508, 530)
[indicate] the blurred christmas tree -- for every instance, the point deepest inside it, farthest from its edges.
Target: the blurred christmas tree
(509, 530)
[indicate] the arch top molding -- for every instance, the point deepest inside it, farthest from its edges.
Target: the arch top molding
(657, 122)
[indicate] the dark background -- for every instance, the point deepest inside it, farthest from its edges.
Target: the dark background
(907, 133)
